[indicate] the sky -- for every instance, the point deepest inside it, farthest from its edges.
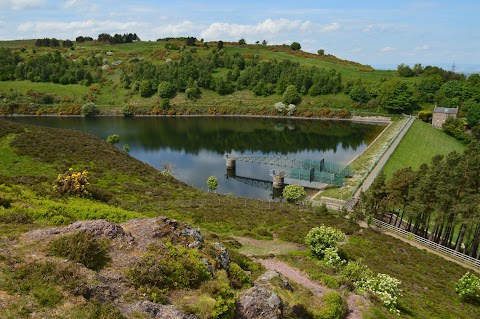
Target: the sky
(379, 33)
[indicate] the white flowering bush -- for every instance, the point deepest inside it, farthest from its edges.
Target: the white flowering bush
(290, 109)
(385, 287)
(332, 259)
(283, 108)
(468, 287)
(280, 107)
(320, 238)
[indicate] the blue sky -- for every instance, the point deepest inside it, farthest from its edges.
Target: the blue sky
(377, 33)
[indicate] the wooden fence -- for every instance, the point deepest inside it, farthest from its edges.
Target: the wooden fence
(433, 245)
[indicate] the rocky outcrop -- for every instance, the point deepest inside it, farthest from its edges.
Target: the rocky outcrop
(223, 257)
(157, 311)
(98, 228)
(266, 280)
(259, 303)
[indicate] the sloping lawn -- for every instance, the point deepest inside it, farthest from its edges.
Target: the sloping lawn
(419, 145)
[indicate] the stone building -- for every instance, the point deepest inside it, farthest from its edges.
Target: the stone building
(441, 114)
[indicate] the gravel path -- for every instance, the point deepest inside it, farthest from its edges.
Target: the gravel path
(355, 302)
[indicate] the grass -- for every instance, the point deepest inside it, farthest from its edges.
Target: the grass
(419, 145)
(12, 164)
(112, 97)
(133, 189)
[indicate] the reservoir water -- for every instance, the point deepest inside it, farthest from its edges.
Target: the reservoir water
(195, 146)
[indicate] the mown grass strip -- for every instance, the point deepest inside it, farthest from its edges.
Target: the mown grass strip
(419, 145)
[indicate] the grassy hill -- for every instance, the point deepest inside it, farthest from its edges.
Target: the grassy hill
(112, 97)
(123, 188)
(419, 145)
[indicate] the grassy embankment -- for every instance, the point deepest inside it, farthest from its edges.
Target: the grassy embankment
(361, 164)
(419, 145)
(124, 188)
(112, 97)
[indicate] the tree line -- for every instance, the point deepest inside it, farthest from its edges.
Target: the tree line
(264, 78)
(439, 201)
(48, 67)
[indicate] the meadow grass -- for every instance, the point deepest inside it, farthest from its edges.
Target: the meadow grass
(419, 145)
(112, 97)
(135, 190)
(12, 164)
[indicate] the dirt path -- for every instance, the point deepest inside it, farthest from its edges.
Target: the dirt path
(257, 247)
(355, 302)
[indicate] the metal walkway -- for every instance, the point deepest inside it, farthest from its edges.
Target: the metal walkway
(306, 170)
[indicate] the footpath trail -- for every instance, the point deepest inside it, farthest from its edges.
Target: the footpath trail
(381, 162)
(355, 302)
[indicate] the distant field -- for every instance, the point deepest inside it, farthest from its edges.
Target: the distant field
(419, 145)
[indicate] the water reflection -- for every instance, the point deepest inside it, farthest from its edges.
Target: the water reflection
(196, 146)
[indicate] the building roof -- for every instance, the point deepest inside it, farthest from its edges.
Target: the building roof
(447, 110)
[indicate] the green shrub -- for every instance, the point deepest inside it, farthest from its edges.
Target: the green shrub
(291, 95)
(425, 116)
(468, 287)
(113, 139)
(89, 109)
(212, 183)
(166, 90)
(335, 306)
(238, 277)
(128, 111)
(223, 294)
(5, 202)
(320, 238)
(294, 193)
(169, 267)
(81, 247)
(165, 104)
(355, 271)
(15, 217)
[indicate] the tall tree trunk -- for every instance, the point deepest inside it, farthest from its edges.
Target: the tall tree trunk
(476, 241)
(400, 222)
(439, 234)
(461, 233)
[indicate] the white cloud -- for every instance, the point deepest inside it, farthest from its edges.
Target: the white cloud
(22, 4)
(380, 28)
(330, 27)
(357, 50)
(75, 27)
(422, 48)
(184, 28)
(267, 27)
(388, 49)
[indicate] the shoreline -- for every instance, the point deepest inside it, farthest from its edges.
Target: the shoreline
(357, 119)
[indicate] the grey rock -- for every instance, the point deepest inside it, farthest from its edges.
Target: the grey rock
(270, 275)
(158, 311)
(224, 258)
(259, 303)
(98, 228)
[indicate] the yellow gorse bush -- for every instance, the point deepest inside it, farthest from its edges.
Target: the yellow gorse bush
(72, 183)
